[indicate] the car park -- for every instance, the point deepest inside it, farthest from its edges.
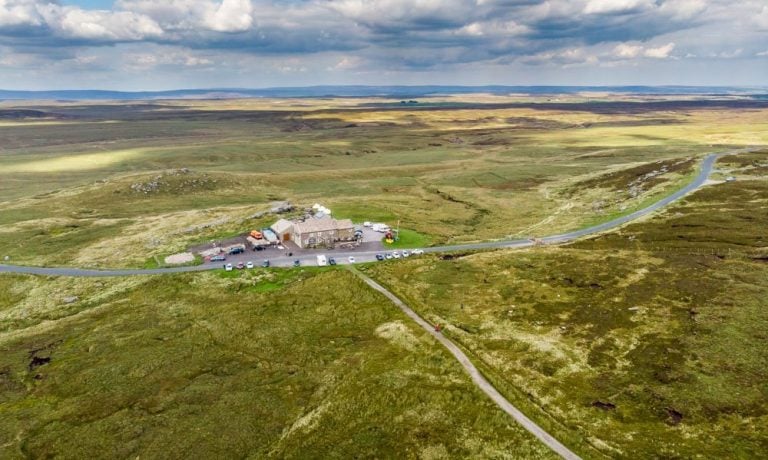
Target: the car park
(228, 267)
(219, 258)
(351, 259)
(379, 256)
(331, 261)
(249, 264)
(265, 264)
(406, 254)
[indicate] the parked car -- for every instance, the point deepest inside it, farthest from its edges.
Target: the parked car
(379, 256)
(388, 256)
(249, 264)
(265, 264)
(296, 263)
(406, 254)
(228, 267)
(331, 261)
(367, 224)
(219, 258)
(418, 252)
(351, 259)
(396, 254)
(236, 251)
(240, 265)
(280, 246)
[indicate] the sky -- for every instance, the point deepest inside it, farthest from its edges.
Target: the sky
(171, 44)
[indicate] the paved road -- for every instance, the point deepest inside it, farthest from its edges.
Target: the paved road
(475, 374)
(370, 256)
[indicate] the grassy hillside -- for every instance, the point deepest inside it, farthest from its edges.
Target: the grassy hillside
(480, 172)
(649, 341)
(206, 366)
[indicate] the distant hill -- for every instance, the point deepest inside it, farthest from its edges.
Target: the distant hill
(363, 91)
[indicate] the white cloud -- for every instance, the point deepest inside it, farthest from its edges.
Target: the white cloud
(191, 15)
(630, 51)
(19, 12)
(231, 16)
(400, 13)
(762, 19)
(494, 28)
(683, 9)
(102, 25)
(73, 22)
(347, 63)
(662, 52)
(626, 51)
(615, 6)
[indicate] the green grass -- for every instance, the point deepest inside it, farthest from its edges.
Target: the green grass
(482, 172)
(408, 239)
(662, 319)
(204, 366)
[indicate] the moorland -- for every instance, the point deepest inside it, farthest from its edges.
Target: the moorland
(647, 341)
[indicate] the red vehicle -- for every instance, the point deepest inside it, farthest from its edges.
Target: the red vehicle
(240, 266)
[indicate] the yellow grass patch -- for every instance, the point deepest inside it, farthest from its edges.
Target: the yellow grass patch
(82, 162)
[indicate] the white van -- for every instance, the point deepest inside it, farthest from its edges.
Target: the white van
(322, 261)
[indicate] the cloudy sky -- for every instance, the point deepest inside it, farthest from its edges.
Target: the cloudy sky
(168, 44)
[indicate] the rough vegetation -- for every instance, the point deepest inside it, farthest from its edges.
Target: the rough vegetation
(648, 342)
(206, 366)
(454, 173)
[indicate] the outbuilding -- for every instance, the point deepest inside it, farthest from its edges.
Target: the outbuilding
(283, 228)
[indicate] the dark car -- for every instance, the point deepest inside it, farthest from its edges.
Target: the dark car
(379, 256)
(265, 264)
(218, 258)
(331, 261)
(235, 251)
(296, 263)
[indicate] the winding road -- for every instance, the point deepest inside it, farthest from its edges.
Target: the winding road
(370, 256)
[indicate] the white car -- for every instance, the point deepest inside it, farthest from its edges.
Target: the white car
(351, 259)
(396, 254)
(249, 264)
(388, 256)
(417, 252)
(280, 247)
(228, 267)
(406, 254)
(367, 224)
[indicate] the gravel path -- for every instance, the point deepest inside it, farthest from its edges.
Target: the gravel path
(475, 374)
